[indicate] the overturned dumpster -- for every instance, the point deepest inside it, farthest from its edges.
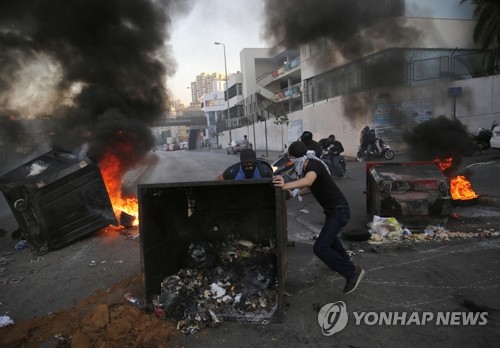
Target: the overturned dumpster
(415, 193)
(214, 251)
(57, 198)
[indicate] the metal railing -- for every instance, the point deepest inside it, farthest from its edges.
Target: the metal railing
(393, 67)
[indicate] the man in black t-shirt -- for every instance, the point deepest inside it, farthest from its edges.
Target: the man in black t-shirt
(314, 178)
(249, 167)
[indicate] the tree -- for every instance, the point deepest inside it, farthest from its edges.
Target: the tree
(487, 30)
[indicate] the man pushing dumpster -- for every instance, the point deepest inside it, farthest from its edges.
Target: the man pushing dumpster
(314, 178)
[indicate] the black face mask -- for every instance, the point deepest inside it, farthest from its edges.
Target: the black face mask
(248, 168)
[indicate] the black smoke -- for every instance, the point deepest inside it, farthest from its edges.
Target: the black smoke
(345, 30)
(339, 22)
(113, 50)
(10, 130)
(439, 138)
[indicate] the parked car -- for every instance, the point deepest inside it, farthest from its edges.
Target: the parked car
(237, 145)
(495, 138)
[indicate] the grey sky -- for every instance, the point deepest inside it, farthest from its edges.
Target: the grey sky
(235, 23)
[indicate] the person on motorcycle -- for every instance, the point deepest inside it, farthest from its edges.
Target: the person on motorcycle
(307, 138)
(334, 149)
(249, 167)
(367, 142)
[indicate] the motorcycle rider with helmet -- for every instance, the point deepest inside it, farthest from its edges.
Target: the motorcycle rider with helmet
(367, 142)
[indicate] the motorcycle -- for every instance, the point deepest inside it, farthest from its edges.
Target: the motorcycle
(327, 158)
(482, 138)
(284, 167)
(378, 149)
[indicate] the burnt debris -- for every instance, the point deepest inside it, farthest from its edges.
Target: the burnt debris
(230, 279)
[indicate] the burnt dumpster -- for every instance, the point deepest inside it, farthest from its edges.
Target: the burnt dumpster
(415, 193)
(213, 251)
(57, 198)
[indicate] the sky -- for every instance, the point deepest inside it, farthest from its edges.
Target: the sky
(439, 8)
(236, 23)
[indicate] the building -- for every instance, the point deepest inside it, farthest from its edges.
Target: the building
(205, 83)
(401, 73)
(216, 104)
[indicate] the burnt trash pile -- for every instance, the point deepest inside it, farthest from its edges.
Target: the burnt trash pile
(230, 279)
(213, 251)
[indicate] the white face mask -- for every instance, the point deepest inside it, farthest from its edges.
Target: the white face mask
(299, 164)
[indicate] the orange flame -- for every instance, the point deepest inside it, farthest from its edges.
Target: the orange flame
(461, 188)
(444, 164)
(112, 176)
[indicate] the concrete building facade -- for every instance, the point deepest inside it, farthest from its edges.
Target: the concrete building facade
(205, 83)
(216, 104)
(393, 85)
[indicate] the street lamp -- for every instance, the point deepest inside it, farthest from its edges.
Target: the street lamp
(227, 91)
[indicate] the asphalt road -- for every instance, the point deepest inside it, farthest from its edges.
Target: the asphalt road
(460, 275)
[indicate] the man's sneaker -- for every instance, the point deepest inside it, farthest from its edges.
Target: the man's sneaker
(353, 282)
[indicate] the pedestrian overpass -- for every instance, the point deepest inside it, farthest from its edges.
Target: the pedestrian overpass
(198, 122)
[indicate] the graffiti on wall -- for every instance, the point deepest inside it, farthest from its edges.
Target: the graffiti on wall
(294, 130)
(391, 119)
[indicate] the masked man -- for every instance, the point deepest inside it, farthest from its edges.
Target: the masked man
(249, 167)
(315, 178)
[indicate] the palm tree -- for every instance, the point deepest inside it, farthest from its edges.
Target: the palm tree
(487, 30)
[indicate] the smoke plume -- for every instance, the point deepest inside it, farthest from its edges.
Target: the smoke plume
(342, 23)
(349, 30)
(438, 138)
(72, 61)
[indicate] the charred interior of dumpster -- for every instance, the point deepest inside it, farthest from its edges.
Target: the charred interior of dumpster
(214, 251)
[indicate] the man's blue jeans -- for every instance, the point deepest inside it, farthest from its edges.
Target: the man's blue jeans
(328, 246)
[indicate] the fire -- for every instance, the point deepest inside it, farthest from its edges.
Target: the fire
(444, 164)
(111, 173)
(461, 188)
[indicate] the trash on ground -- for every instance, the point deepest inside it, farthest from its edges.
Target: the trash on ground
(388, 229)
(381, 228)
(5, 320)
(21, 244)
(128, 296)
